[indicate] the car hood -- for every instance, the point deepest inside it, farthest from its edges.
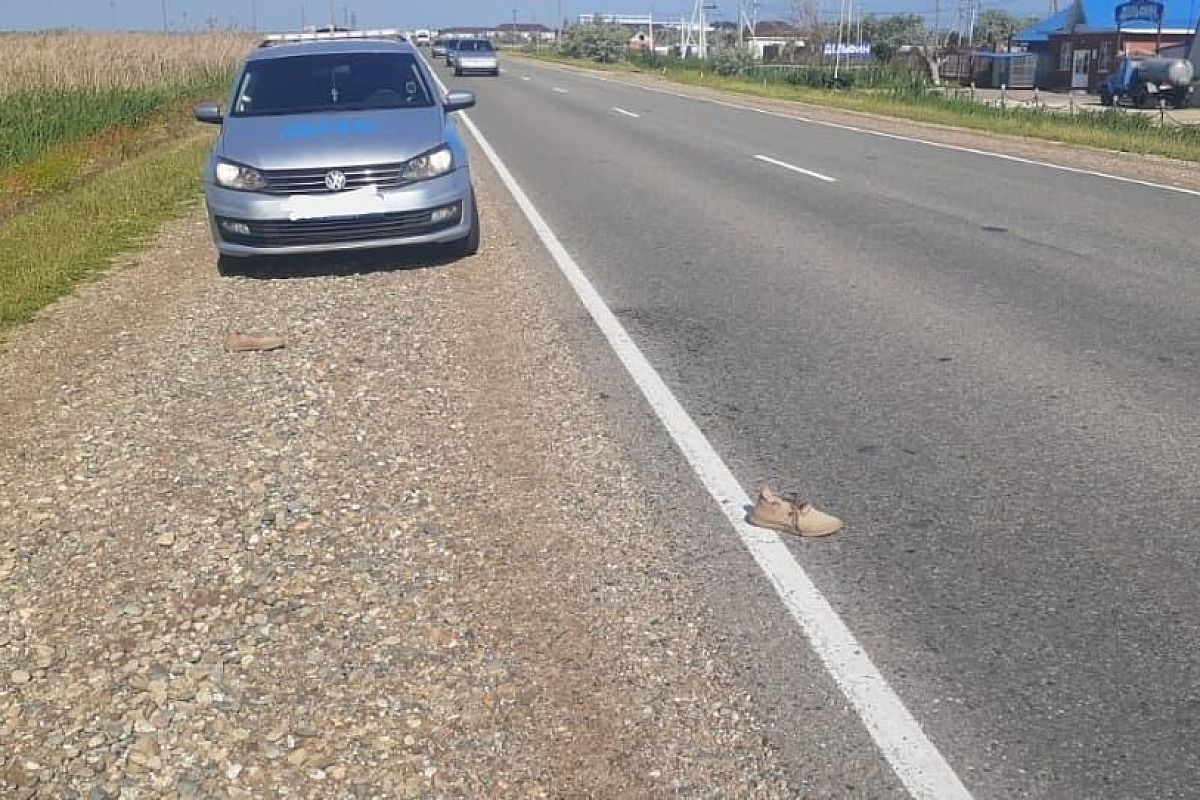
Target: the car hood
(332, 139)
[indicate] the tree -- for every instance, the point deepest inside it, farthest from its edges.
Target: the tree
(996, 25)
(889, 34)
(597, 40)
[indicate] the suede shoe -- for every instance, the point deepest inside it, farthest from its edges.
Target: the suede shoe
(238, 342)
(791, 516)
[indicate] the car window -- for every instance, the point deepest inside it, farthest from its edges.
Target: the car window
(306, 84)
(475, 45)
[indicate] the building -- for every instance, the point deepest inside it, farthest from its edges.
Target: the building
(468, 32)
(524, 32)
(771, 40)
(1077, 48)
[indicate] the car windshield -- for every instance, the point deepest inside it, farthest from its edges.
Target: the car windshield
(307, 84)
(475, 44)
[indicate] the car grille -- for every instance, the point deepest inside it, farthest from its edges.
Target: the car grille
(312, 181)
(334, 230)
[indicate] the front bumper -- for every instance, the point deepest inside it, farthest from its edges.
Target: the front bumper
(249, 224)
(490, 66)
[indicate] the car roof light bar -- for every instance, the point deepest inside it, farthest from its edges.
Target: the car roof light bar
(326, 36)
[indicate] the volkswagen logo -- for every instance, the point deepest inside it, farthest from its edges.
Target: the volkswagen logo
(335, 180)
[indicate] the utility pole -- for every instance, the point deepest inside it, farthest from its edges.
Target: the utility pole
(652, 50)
(332, 15)
(303, 17)
(558, 24)
(837, 52)
(937, 20)
(166, 19)
(254, 15)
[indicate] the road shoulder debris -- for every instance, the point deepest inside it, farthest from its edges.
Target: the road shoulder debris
(403, 556)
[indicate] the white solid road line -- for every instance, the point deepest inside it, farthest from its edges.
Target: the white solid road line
(897, 137)
(626, 113)
(794, 168)
(916, 761)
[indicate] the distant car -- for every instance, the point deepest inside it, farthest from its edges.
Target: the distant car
(475, 55)
(337, 144)
(421, 37)
(439, 48)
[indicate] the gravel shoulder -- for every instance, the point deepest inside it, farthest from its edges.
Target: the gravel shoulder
(1127, 165)
(404, 556)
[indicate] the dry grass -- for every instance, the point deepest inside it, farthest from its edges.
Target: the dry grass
(58, 90)
(116, 60)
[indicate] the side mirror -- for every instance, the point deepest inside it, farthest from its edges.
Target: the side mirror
(459, 99)
(209, 112)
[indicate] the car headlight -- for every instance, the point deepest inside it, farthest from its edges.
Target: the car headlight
(433, 164)
(236, 176)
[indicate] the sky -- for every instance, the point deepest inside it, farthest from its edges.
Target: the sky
(287, 14)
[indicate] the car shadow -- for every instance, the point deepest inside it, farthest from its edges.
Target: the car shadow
(343, 263)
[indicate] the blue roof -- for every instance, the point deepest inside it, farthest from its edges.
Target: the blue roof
(1099, 15)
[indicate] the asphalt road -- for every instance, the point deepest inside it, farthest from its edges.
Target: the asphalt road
(988, 368)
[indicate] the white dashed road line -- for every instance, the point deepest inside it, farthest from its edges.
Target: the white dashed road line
(794, 168)
(923, 770)
(899, 137)
(626, 113)
(560, 90)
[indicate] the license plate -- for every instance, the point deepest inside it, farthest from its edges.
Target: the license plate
(366, 200)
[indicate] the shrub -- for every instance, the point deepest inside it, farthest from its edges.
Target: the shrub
(597, 40)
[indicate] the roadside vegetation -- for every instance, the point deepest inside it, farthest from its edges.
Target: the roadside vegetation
(97, 148)
(878, 89)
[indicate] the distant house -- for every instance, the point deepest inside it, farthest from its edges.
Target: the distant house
(1078, 47)
(524, 31)
(771, 39)
(467, 31)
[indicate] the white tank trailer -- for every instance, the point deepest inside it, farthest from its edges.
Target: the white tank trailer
(1144, 81)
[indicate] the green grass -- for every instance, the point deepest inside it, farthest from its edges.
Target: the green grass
(1109, 130)
(76, 234)
(34, 121)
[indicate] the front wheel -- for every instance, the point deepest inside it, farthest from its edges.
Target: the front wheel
(469, 244)
(457, 72)
(1106, 98)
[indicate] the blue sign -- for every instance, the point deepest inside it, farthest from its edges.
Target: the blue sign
(1139, 11)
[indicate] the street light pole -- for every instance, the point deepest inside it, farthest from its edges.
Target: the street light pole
(166, 22)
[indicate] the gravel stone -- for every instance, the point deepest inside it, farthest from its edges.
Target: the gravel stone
(404, 556)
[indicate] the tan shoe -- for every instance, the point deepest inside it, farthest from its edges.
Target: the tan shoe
(791, 516)
(238, 342)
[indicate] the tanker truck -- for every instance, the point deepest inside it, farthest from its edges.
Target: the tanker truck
(1148, 80)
